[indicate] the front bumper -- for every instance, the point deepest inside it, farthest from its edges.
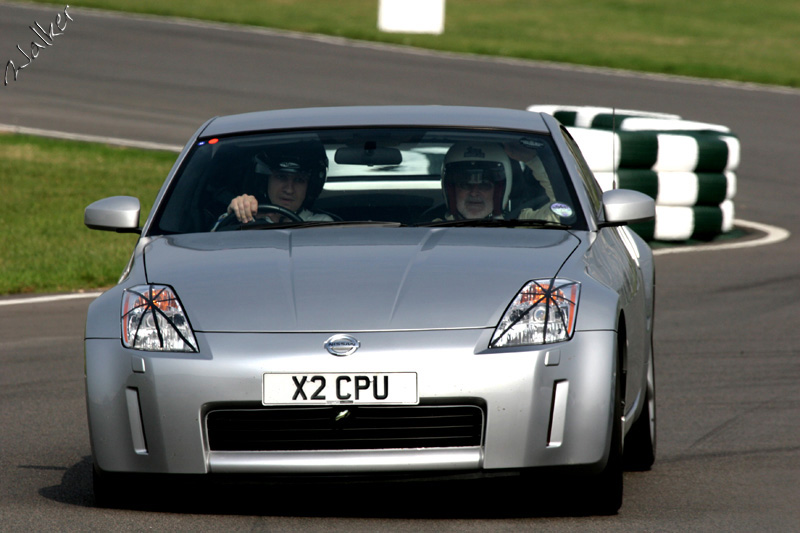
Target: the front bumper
(544, 407)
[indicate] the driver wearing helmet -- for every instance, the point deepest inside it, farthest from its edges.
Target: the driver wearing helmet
(295, 176)
(477, 179)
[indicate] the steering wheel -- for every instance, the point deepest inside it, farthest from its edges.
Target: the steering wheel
(230, 218)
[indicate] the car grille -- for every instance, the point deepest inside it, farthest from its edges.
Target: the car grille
(345, 428)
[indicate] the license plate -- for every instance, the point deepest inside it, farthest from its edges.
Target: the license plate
(394, 388)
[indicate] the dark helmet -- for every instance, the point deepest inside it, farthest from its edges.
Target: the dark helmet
(305, 156)
(477, 162)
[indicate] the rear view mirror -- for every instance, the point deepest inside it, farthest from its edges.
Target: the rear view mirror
(369, 155)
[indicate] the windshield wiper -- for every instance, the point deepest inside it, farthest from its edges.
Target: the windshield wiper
(496, 223)
(321, 223)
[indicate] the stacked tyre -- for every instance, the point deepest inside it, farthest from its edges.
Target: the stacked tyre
(687, 167)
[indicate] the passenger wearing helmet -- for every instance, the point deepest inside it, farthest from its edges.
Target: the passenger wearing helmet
(477, 178)
(295, 176)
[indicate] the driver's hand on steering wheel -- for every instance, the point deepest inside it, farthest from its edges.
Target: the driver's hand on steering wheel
(244, 207)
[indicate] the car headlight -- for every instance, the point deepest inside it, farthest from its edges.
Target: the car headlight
(543, 312)
(153, 320)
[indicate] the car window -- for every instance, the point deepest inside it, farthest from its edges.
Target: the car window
(403, 176)
(593, 189)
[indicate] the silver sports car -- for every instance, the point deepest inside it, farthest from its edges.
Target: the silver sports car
(390, 291)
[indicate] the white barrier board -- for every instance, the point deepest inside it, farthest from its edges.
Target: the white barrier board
(411, 16)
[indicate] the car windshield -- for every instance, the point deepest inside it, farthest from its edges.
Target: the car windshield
(392, 177)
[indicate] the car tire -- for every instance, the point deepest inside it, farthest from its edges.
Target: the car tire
(604, 496)
(640, 444)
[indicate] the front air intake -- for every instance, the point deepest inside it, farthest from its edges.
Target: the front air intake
(345, 428)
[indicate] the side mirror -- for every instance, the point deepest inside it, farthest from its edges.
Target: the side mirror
(117, 213)
(623, 206)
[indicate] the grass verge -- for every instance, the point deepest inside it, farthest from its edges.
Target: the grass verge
(46, 185)
(730, 39)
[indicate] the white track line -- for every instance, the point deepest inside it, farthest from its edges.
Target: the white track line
(89, 138)
(772, 235)
(46, 299)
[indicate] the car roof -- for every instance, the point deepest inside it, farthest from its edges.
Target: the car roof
(379, 116)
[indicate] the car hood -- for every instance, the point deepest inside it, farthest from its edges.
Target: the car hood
(352, 279)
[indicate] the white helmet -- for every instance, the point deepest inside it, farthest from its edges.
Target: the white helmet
(476, 162)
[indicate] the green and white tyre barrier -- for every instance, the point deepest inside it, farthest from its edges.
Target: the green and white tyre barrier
(679, 189)
(631, 123)
(684, 223)
(592, 117)
(687, 151)
(607, 118)
(686, 166)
